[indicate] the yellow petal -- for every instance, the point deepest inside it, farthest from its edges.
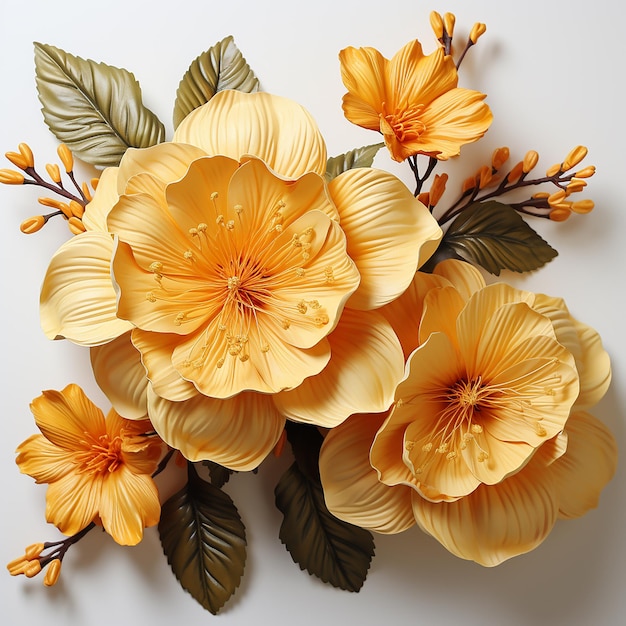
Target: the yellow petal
(587, 466)
(105, 196)
(274, 129)
(465, 278)
(352, 490)
(237, 433)
(594, 367)
(389, 232)
(42, 460)
(366, 365)
(78, 300)
(129, 503)
(494, 523)
(441, 308)
(121, 376)
(65, 416)
(72, 502)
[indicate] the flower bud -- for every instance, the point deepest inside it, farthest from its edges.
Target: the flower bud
(77, 209)
(27, 153)
(500, 157)
(469, 184)
(16, 566)
(52, 573)
(531, 158)
(560, 214)
(574, 157)
(424, 198)
(484, 176)
(17, 159)
(66, 157)
(586, 172)
(554, 170)
(448, 21)
(582, 206)
(87, 192)
(478, 30)
(437, 189)
(575, 186)
(436, 23)
(33, 224)
(11, 177)
(32, 569)
(34, 550)
(54, 172)
(515, 174)
(94, 183)
(557, 197)
(76, 226)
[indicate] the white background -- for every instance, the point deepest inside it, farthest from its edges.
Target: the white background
(552, 72)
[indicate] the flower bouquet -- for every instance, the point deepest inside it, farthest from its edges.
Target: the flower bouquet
(243, 295)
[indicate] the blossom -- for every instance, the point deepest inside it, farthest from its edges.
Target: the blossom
(236, 272)
(413, 100)
(96, 469)
(488, 440)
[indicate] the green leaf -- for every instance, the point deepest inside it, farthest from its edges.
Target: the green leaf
(96, 109)
(220, 67)
(203, 538)
(359, 157)
(335, 551)
(219, 474)
(495, 236)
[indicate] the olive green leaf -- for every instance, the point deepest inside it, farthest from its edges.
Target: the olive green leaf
(96, 109)
(359, 157)
(220, 67)
(494, 236)
(333, 550)
(219, 475)
(204, 540)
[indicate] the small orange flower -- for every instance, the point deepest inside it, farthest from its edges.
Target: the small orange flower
(413, 100)
(97, 469)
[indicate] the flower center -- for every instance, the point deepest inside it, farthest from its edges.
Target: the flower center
(404, 123)
(100, 455)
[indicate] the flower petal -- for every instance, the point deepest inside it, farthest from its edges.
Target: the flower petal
(121, 376)
(43, 460)
(77, 299)
(129, 503)
(237, 433)
(274, 129)
(587, 466)
(361, 376)
(465, 278)
(352, 490)
(105, 196)
(494, 523)
(389, 233)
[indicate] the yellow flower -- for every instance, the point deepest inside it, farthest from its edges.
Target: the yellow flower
(238, 270)
(488, 441)
(413, 100)
(96, 469)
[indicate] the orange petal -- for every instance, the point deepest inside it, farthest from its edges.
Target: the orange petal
(42, 460)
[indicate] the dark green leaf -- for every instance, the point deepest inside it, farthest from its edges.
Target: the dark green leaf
(335, 551)
(495, 236)
(96, 109)
(220, 67)
(220, 475)
(203, 538)
(306, 442)
(359, 157)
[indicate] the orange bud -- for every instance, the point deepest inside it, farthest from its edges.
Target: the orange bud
(582, 206)
(438, 188)
(557, 197)
(76, 226)
(500, 157)
(16, 566)
(485, 176)
(436, 23)
(17, 159)
(531, 158)
(468, 184)
(54, 172)
(515, 174)
(574, 157)
(27, 153)
(66, 157)
(541, 195)
(478, 30)
(554, 170)
(32, 569)
(560, 214)
(424, 198)
(87, 192)
(77, 209)
(34, 550)
(94, 182)
(52, 573)
(33, 224)
(11, 177)
(575, 185)
(448, 21)
(586, 172)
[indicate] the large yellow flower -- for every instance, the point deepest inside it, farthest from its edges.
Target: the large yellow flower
(97, 469)
(413, 100)
(488, 440)
(238, 270)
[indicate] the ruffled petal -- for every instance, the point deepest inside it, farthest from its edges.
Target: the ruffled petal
(42, 460)
(361, 376)
(587, 466)
(352, 490)
(105, 196)
(129, 503)
(594, 367)
(72, 502)
(78, 301)
(237, 433)
(465, 278)
(65, 416)
(274, 129)
(494, 523)
(389, 233)
(121, 376)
